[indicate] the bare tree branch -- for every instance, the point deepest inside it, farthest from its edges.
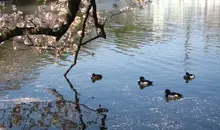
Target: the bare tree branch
(80, 41)
(97, 25)
(91, 39)
(116, 13)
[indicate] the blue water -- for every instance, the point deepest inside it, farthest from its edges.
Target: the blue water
(161, 43)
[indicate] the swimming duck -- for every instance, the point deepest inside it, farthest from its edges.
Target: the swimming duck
(189, 76)
(115, 5)
(143, 82)
(172, 95)
(96, 77)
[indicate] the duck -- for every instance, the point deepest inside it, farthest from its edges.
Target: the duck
(172, 95)
(189, 76)
(96, 77)
(143, 82)
(115, 5)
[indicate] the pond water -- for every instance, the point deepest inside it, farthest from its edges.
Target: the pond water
(160, 42)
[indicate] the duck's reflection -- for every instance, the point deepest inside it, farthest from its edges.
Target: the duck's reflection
(59, 114)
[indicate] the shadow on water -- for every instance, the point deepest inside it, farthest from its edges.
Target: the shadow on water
(24, 65)
(21, 66)
(58, 114)
(15, 64)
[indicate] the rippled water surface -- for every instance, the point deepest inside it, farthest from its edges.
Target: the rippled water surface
(161, 43)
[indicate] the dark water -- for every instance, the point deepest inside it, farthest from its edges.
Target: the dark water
(160, 42)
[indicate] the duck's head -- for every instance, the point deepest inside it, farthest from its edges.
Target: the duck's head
(167, 91)
(93, 74)
(114, 5)
(142, 78)
(187, 73)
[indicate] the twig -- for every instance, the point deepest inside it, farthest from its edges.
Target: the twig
(97, 24)
(7, 29)
(91, 39)
(115, 14)
(32, 43)
(33, 23)
(80, 41)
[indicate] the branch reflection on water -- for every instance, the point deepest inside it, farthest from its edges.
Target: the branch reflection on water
(58, 114)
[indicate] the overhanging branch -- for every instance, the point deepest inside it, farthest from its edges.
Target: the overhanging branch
(6, 35)
(97, 25)
(73, 7)
(80, 41)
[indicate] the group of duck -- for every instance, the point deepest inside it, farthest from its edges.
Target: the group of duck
(142, 82)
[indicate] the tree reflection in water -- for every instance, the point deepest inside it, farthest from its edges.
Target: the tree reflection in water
(58, 114)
